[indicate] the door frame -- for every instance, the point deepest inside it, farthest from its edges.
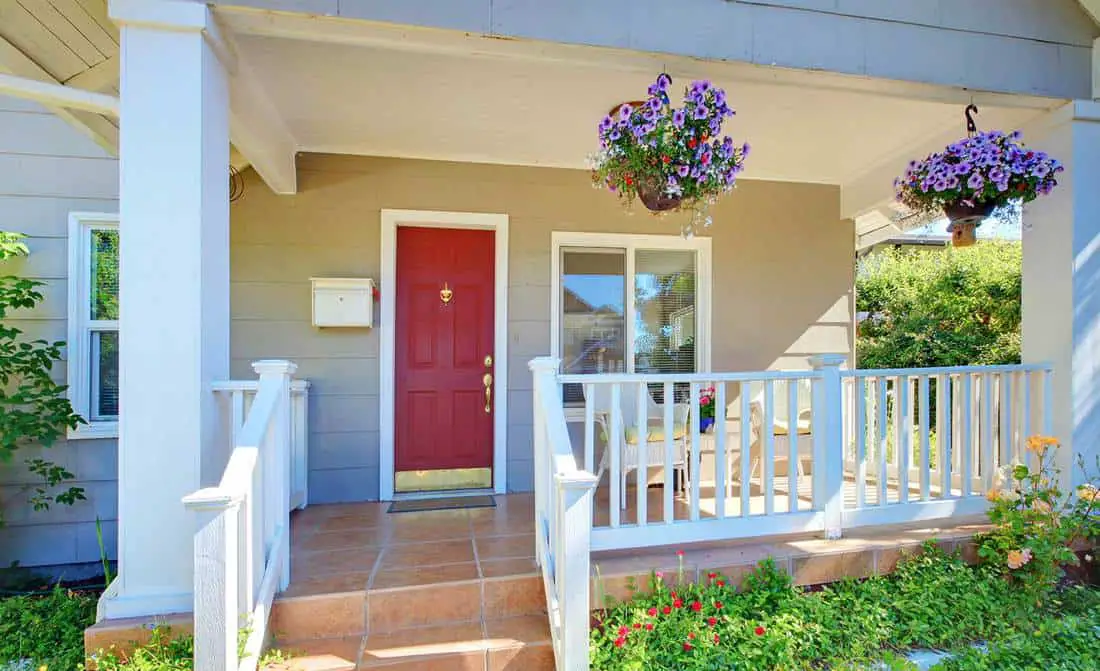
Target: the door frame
(391, 219)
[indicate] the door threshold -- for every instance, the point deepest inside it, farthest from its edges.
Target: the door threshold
(441, 494)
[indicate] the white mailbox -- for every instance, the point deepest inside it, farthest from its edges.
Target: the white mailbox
(343, 301)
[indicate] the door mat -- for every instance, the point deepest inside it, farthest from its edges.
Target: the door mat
(447, 503)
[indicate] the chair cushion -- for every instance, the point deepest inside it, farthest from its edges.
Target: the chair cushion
(782, 428)
(656, 434)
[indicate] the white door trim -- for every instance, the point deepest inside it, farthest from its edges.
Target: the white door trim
(391, 219)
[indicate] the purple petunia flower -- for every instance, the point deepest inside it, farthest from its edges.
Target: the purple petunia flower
(663, 82)
(614, 135)
(745, 150)
(976, 181)
(682, 170)
(678, 118)
(625, 111)
(605, 123)
(701, 112)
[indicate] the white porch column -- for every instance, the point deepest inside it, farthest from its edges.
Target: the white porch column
(174, 326)
(1061, 279)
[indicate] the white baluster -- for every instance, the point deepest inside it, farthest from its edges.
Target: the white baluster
(944, 432)
(767, 461)
(215, 582)
(883, 436)
(746, 449)
(1005, 407)
(793, 437)
(860, 429)
(721, 479)
(641, 419)
(589, 428)
(693, 470)
(966, 444)
(615, 447)
(670, 473)
(925, 448)
(986, 432)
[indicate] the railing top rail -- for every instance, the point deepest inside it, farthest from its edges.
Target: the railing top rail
(221, 386)
(704, 378)
(948, 370)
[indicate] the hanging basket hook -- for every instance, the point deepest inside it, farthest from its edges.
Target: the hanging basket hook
(971, 125)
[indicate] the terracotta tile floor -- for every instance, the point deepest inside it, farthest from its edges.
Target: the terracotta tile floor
(359, 546)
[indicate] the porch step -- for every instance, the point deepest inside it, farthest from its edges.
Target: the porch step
(508, 644)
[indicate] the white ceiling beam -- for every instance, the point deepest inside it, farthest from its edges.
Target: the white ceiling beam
(1092, 7)
(255, 127)
(98, 128)
(98, 77)
(58, 94)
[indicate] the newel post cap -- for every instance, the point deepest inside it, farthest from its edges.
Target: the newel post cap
(820, 361)
(544, 364)
(274, 367)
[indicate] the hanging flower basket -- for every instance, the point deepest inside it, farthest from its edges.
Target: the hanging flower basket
(671, 159)
(975, 178)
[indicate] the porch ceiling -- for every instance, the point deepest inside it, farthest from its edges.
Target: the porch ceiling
(370, 89)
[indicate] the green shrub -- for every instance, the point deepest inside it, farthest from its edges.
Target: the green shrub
(951, 308)
(163, 653)
(47, 628)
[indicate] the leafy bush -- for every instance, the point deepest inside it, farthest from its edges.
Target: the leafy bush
(951, 308)
(932, 600)
(47, 629)
(33, 408)
(163, 653)
(1035, 525)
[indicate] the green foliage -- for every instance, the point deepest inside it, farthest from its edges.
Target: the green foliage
(933, 600)
(951, 308)
(47, 628)
(1035, 524)
(163, 652)
(33, 408)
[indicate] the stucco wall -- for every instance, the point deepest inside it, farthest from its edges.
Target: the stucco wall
(783, 273)
(1020, 46)
(47, 170)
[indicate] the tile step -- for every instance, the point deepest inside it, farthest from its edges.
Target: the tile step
(510, 644)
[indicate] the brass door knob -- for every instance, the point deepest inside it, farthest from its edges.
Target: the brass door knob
(487, 380)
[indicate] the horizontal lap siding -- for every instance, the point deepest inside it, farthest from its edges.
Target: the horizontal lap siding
(782, 283)
(47, 170)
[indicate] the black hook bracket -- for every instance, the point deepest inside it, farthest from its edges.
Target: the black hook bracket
(971, 126)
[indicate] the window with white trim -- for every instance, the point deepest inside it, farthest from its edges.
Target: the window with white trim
(93, 323)
(630, 303)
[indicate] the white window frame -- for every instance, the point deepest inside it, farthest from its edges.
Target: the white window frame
(631, 243)
(80, 325)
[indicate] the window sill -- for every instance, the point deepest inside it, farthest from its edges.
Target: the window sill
(94, 430)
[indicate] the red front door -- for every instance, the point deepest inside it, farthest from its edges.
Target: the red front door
(444, 351)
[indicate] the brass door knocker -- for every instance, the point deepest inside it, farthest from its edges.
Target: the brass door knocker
(445, 294)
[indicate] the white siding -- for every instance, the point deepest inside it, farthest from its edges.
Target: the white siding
(48, 169)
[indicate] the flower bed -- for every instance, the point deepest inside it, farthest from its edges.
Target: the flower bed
(932, 601)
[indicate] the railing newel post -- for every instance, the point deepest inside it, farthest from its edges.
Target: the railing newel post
(829, 442)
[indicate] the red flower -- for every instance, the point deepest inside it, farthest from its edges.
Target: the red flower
(652, 612)
(666, 610)
(721, 583)
(696, 606)
(692, 143)
(718, 605)
(705, 136)
(716, 639)
(687, 647)
(712, 576)
(619, 642)
(649, 626)
(673, 595)
(624, 630)
(711, 621)
(759, 631)
(691, 635)
(679, 553)
(678, 603)
(666, 159)
(629, 181)
(637, 625)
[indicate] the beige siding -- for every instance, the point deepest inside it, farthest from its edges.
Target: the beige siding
(48, 169)
(782, 283)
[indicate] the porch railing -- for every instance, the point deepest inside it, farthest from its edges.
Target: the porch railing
(242, 539)
(563, 522)
(818, 450)
(242, 393)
